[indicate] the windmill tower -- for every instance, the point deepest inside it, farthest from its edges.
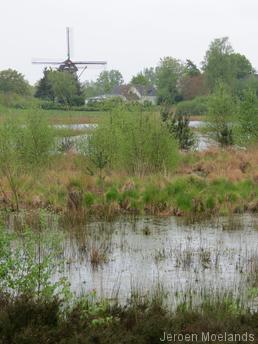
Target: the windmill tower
(68, 64)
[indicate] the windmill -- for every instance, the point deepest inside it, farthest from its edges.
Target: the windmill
(68, 64)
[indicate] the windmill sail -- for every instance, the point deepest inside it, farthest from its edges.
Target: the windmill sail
(68, 64)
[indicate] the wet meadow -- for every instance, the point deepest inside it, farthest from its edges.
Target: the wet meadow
(116, 234)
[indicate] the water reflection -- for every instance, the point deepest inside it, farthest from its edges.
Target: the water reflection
(115, 259)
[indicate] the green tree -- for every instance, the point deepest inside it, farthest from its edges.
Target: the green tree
(44, 88)
(216, 62)
(151, 75)
(222, 64)
(169, 73)
(191, 83)
(90, 89)
(145, 78)
(191, 69)
(60, 86)
(221, 111)
(107, 80)
(13, 82)
(139, 80)
(63, 85)
(241, 66)
(242, 85)
(178, 126)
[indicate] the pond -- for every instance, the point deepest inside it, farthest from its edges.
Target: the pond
(83, 126)
(78, 126)
(137, 255)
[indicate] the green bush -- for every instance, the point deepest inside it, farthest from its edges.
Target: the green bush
(210, 202)
(248, 118)
(104, 104)
(137, 142)
(112, 194)
(197, 106)
(36, 140)
(23, 146)
(10, 163)
(29, 262)
(89, 199)
(13, 100)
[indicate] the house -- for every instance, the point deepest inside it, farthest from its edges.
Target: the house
(147, 94)
(139, 93)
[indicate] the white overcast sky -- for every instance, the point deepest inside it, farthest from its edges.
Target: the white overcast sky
(129, 34)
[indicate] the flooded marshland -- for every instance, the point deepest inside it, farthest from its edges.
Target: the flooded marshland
(139, 255)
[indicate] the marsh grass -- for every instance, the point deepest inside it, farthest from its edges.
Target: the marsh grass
(184, 258)
(142, 320)
(9, 109)
(253, 274)
(192, 197)
(233, 223)
(226, 186)
(205, 258)
(98, 256)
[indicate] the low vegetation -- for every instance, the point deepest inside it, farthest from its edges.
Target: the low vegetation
(203, 184)
(143, 322)
(195, 107)
(135, 142)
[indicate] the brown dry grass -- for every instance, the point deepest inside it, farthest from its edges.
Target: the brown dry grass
(232, 164)
(50, 188)
(80, 119)
(97, 256)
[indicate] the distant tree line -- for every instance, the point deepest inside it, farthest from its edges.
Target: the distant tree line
(173, 79)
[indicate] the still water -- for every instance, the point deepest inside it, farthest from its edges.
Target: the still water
(137, 255)
(203, 142)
